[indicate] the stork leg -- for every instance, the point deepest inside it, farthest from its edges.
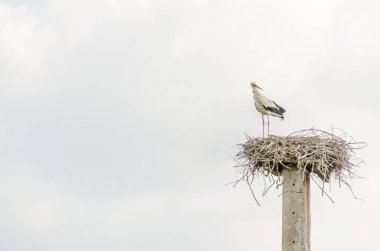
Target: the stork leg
(262, 116)
(268, 125)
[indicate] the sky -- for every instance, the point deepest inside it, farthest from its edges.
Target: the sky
(119, 119)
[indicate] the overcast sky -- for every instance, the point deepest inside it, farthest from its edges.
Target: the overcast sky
(118, 119)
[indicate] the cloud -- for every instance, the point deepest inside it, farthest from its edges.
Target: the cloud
(119, 118)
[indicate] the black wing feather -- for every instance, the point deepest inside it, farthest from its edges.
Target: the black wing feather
(282, 110)
(278, 109)
(273, 109)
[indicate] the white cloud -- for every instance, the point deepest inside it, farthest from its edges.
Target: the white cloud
(119, 117)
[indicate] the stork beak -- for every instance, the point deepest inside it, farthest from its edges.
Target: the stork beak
(253, 84)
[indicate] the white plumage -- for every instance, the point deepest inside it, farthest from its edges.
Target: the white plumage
(266, 106)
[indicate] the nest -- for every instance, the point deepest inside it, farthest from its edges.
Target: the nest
(321, 154)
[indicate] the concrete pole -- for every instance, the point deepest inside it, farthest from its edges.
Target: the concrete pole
(295, 211)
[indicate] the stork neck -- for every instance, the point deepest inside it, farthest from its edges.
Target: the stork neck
(255, 91)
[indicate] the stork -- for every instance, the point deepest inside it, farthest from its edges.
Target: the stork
(266, 106)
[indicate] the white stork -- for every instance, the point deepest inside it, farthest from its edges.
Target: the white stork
(266, 106)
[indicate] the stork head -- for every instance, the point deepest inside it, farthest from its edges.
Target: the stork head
(254, 86)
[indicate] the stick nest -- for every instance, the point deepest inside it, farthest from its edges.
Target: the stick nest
(322, 154)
